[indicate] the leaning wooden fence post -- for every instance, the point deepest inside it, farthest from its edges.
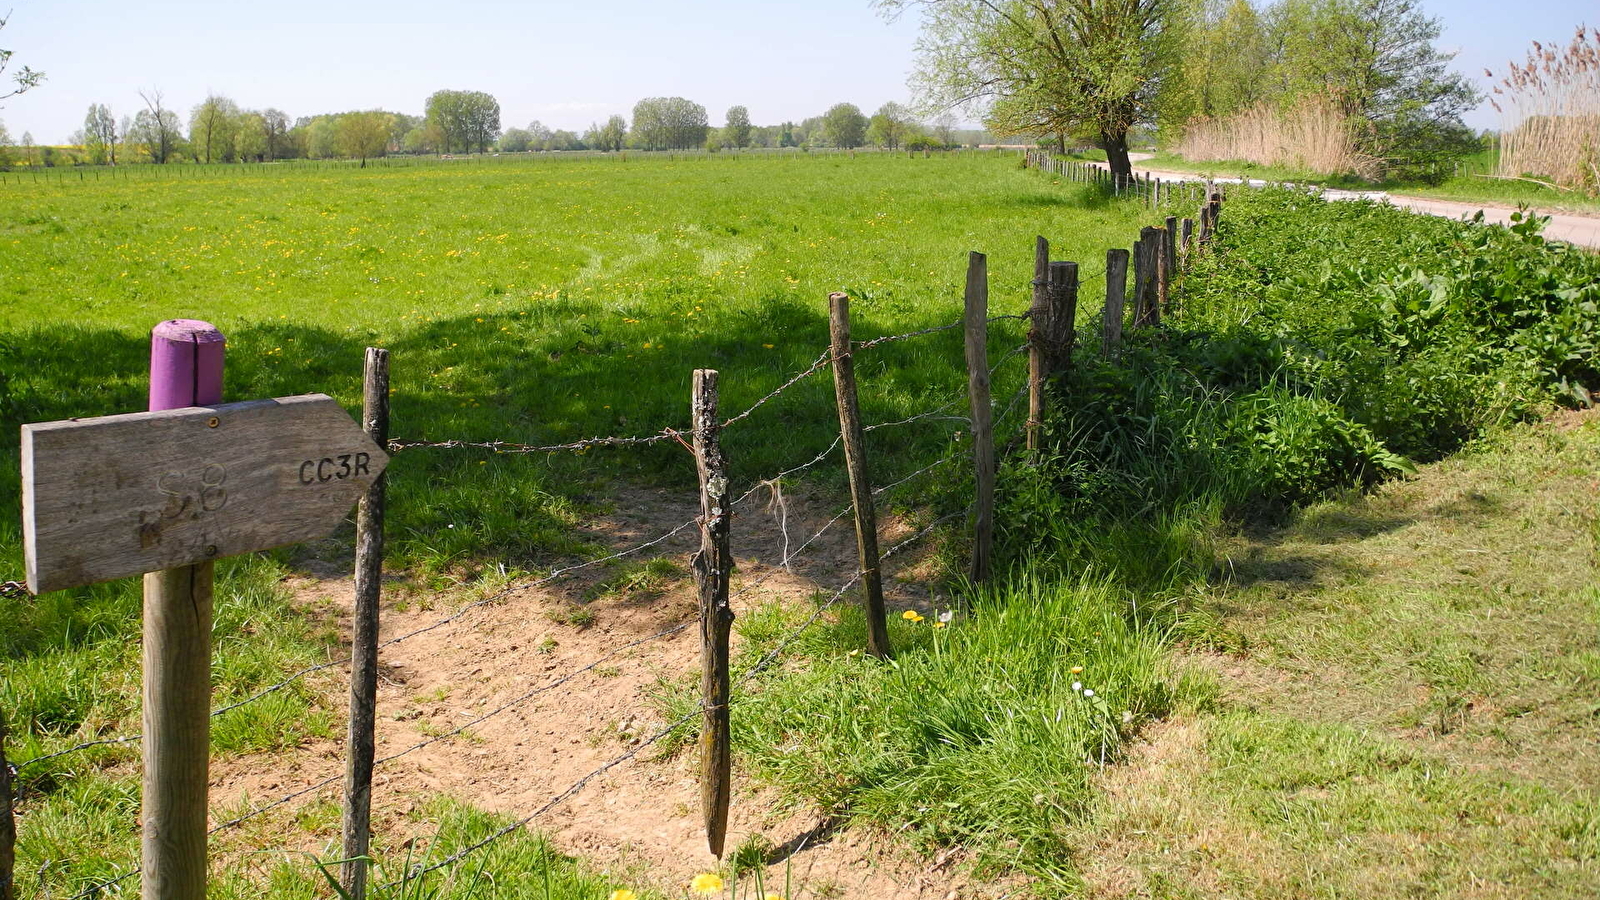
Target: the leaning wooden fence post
(1116, 297)
(855, 461)
(8, 823)
(1038, 339)
(185, 370)
(712, 566)
(977, 334)
(361, 744)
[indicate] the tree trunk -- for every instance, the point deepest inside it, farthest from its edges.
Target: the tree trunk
(1061, 143)
(1116, 146)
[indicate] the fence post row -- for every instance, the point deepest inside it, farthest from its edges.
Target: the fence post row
(1039, 334)
(712, 565)
(855, 460)
(977, 340)
(362, 742)
(186, 359)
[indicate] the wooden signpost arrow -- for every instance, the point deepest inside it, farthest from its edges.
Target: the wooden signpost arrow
(108, 497)
(166, 493)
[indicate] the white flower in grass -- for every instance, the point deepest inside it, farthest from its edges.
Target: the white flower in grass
(1088, 693)
(1077, 685)
(1127, 716)
(947, 616)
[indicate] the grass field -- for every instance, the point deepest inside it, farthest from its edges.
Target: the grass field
(533, 303)
(553, 302)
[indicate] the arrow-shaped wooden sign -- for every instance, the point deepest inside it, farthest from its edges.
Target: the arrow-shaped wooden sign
(121, 495)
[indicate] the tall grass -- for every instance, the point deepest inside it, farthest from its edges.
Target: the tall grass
(1551, 104)
(1313, 134)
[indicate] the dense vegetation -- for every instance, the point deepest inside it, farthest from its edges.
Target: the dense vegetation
(1323, 346)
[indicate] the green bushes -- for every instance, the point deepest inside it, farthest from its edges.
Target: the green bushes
(1324, 346)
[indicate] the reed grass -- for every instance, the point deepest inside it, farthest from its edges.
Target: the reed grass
(1312, 134)
(1551, 104)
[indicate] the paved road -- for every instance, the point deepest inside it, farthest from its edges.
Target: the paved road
(1581, 230)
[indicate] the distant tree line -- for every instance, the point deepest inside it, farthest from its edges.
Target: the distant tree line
(218, 130)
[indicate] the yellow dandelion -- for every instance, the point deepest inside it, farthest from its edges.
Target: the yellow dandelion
(706, 883)
(911, 615)
(1077, 670)
(623, 894)
(937, 625)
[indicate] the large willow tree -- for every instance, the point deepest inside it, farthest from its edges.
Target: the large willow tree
(1090, 69)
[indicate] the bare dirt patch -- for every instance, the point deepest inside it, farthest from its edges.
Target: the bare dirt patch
(642, 816)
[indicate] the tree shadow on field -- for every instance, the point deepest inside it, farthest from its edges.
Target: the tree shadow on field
(548, 373)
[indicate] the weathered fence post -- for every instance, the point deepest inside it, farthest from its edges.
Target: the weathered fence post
(977, 336)
(1116, 297)
(1063, 315)
(855, 461)
(1163, 267)
(1172, 248)
(8, 823)
(1039, 332)
(362, 740)
(185, 370)
(712, 565)
(1188, 243)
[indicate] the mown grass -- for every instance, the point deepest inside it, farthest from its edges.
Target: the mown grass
(532, 303)
(1408, 701)
(1324, 347)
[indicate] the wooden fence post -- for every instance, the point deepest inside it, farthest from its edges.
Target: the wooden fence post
(1063, 314)
(1039, 334)
(712, 566)
(1116, 297)
(185, 370)
(1188, 243)
(1172, 248)
(855, 461)
(1163, 269)
(1141, 275)
(362, 741)
(977, 335)
(8, 823)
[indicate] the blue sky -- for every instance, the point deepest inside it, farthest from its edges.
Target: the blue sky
(564, 63)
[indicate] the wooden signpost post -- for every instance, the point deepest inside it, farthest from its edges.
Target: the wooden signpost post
(165, 493)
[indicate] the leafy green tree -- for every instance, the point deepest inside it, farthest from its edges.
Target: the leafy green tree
(157, 127)
(100, 135)
(275, 132)
(669, 123)
(362, 135)
(515, 140)
(1062, 67)
(464, 119)
(250, 137)
(24, 78)
(891, 125)
(844, 126)
(212, 126)
(5, 147)
(737, 131)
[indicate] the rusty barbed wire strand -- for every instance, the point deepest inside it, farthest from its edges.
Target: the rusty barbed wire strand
(766, 660)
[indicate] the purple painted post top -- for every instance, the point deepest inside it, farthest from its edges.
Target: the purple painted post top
(185, 364)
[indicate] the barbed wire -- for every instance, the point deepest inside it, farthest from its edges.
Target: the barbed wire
(577, 786)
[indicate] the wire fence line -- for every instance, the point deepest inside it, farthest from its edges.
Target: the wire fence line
(556, 574)
(940, 413)
(420, 871)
